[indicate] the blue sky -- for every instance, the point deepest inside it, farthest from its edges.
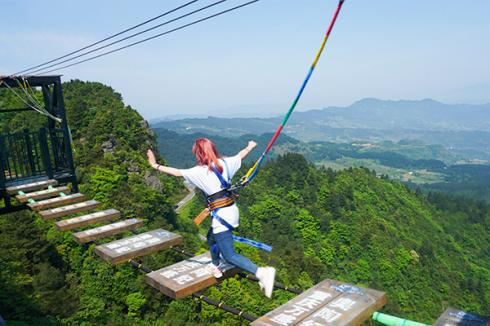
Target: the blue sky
(252, 61)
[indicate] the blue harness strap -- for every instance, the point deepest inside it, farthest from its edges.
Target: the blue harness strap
(253, 243)
(224, 183)
(214, 213)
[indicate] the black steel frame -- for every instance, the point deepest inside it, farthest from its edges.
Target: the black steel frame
(46, 153)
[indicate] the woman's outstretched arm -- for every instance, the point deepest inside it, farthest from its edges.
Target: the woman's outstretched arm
(244, 152)
(165, 169)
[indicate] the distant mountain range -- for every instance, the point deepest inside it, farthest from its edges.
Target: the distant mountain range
(462, 128)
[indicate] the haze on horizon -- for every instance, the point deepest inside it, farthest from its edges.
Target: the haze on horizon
(253, 60)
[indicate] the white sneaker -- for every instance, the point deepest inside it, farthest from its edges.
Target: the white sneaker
(214, 270)
(266, 276)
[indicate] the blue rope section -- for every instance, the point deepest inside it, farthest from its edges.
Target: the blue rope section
(253, 243)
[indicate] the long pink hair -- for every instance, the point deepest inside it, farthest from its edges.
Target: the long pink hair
(207, 153)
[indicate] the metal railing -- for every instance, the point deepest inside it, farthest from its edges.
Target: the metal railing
(27, 154)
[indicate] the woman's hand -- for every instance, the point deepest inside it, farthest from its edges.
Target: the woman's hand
(165, 169)
(151, 158)
(244, 152)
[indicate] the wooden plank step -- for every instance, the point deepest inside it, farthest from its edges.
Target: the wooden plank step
(453, 317)
(79, 221)
(43, 194)
(31, 186)
(136, 246)
(327, 303)
(107, 230)
(70, 209)
(186, 277)
(58, 201)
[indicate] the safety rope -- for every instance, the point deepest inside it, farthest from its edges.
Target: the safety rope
(252, 172)
(33, 94)
(36, 71)
(39, 110)
(152, 37)
(25, 87)
(28, 70)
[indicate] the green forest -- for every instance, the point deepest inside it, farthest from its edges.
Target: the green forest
(428, 252)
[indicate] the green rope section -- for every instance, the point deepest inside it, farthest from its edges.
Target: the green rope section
(394, 321)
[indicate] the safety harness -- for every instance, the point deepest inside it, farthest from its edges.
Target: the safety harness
(221, 199)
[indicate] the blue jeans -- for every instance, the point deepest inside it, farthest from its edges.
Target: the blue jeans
(222, 243)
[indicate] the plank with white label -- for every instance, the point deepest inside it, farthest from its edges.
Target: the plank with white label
(55, 202)
(107, 230)
(138, 245)
(84, 220)
(43, 194)
(455, 317)
(31, 186)
(327, 303)
(70, 209)
(186, 277)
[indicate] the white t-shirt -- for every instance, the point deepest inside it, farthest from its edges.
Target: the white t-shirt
(207, 181)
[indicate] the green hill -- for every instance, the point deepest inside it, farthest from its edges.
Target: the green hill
(426, 252)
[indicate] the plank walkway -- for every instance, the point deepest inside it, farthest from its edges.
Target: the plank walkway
(327, 303)
(186, 277)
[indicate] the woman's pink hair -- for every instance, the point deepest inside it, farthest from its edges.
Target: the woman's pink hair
(206, 153)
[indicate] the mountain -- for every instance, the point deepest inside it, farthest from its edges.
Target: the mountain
(463, 129)
(426, 252)
(176, 148)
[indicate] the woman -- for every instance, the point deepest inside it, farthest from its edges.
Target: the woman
(209, 175)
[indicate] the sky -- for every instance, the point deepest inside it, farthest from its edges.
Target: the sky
(252, 61)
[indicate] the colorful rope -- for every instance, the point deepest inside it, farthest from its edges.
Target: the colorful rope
(255, 168)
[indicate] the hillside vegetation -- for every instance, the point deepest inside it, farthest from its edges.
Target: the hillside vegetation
(420, 165)
(426, 252)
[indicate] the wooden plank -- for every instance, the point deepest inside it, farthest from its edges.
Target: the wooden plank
(31, 186)
(70, 209)
(55, 202)
(327, 303)
(43, 194)
(136, 246)
(186, 277)
(351, 308)
(107, 230)
(453, 317)
(79, 221)
(309, 301)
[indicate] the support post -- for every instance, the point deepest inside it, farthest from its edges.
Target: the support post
(2, 172)
(61, 113)
(43, 141)
(30, 159)
(2, 163)
(49, 105)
